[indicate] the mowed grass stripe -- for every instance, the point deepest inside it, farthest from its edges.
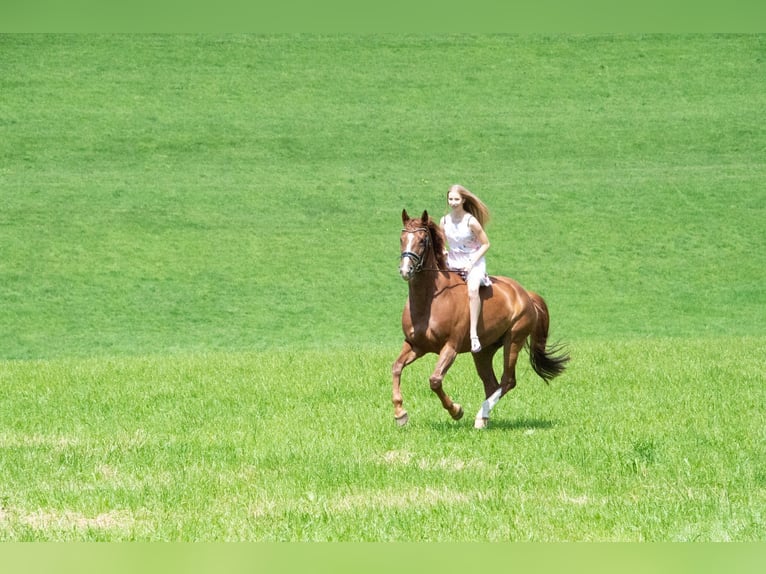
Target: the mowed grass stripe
(181, 193)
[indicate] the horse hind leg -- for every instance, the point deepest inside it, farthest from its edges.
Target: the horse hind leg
(483, 363)
(510, 355)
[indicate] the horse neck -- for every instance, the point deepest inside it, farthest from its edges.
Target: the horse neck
(427, 281)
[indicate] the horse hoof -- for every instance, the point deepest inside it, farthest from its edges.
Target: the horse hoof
(457, 413)
(402, 420)
(480, 423)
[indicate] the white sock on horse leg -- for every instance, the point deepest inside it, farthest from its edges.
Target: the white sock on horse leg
(489, 404)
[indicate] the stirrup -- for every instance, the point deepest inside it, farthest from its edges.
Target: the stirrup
(475, 345)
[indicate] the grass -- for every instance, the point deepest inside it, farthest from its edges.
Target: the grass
(302, 446)
(196, 193)
(200, 304)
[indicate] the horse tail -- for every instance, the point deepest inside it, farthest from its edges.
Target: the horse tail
(547, 361)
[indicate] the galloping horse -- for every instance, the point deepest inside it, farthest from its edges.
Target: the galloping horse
(435, 320)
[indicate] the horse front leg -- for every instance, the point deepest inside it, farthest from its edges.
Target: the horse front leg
(446, 358)
(406, 356)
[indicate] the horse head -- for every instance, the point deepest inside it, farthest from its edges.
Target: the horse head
(415, 241)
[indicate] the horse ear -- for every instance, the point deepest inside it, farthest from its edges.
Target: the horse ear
(424, 218)
(405, 216)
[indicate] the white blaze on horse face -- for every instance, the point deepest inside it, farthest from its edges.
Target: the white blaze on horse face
(405, 269)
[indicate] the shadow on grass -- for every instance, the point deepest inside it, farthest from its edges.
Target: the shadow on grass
(519, 424)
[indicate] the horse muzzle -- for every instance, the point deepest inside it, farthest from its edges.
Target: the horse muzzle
(406, 270)
(411, 264)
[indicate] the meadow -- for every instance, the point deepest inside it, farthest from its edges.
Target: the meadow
(199, 297)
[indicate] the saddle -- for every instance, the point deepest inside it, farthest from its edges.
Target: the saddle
(485, 282)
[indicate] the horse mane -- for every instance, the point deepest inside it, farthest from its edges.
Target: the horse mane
(438, 241)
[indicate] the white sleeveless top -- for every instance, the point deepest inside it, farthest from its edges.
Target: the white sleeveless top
(462, 244)
(460, 236)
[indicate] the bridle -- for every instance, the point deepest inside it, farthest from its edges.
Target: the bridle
(417, 260)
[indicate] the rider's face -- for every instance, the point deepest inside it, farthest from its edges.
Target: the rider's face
(454, 200)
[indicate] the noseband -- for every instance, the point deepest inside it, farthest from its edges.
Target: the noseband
(417, 260)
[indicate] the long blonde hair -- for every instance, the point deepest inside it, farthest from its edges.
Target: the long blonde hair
(473, 204)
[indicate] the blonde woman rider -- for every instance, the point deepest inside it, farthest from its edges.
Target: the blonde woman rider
(467, 241)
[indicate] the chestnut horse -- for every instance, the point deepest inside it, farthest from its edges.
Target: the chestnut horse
(436, 318)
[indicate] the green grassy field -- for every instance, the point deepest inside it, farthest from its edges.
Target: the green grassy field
(200, 303)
